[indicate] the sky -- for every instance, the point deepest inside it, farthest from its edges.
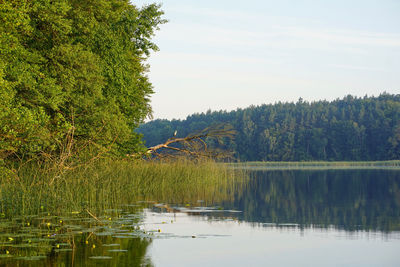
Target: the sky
(224, 55)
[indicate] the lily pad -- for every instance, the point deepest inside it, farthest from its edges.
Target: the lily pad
(33, 240)
(63, 250)
(24, 245)
(121, 231)
(31, 258)
(108, 233)
(63, 244)
(111, 245)
(5, 256)
(100, 258)
(118, 250)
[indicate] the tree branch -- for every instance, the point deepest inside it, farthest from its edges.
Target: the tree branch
(190, 144)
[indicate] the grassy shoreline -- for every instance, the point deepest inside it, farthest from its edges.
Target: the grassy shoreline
(270, 165)
(107, 183)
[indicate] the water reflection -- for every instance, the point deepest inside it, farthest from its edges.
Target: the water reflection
(345, 199)
(267, 210)
(77, 239)
(237, 243)
(289, 218)
(352, 200)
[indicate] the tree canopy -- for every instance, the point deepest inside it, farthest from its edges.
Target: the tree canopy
(73, 66)
(351, 128)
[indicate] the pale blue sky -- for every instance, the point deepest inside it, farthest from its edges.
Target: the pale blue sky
(218, 54)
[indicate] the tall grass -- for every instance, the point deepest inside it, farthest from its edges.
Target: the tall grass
(106, 184)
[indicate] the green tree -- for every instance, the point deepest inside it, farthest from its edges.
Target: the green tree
(348, 129)
(74, 66)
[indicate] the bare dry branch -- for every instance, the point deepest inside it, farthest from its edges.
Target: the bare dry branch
(195, 144)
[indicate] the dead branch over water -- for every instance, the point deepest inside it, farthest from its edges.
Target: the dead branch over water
(195, 144)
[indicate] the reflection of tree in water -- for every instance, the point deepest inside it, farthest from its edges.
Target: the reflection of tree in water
(134, 256)
(133, 253)
(348, 199)
(114, 238)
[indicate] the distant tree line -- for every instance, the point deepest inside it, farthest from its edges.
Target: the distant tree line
(351, 128)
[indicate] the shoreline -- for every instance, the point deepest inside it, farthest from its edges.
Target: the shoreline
(315, 165)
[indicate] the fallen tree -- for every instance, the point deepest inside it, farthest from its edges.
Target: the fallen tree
(195, 145)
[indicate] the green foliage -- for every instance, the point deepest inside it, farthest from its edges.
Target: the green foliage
(73, 64)
(348, 129)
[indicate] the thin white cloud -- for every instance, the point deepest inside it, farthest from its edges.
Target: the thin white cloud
(272, 28)
(230, 16)
(353, 67)
(344, 37)
(209, 12)
(211, 58)
(280, 38)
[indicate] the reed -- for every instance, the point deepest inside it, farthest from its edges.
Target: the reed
(108, 183)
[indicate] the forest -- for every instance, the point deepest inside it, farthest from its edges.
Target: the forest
(73, 77)
(347, 129)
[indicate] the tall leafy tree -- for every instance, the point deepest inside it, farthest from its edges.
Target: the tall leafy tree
(73, 66)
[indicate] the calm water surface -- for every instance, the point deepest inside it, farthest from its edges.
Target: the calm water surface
(276, 218)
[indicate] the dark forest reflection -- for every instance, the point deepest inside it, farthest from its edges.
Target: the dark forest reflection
(345, 199)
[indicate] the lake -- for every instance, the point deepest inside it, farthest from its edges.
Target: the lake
(283, 217)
